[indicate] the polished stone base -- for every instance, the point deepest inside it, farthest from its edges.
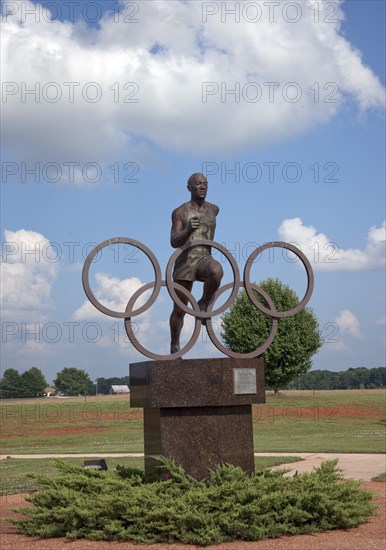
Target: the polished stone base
(198, 412)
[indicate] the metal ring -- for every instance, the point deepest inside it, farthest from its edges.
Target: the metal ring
(248, 285)
(139, 347)
(89, 292)
(172, 286)
(258, 351)
(169, 281)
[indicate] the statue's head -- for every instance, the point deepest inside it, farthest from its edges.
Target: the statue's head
(198, 185)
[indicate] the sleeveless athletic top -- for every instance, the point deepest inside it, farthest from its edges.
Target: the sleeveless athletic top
(187, 263)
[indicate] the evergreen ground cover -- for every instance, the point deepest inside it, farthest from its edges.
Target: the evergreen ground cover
(15, 473)
(230, 505)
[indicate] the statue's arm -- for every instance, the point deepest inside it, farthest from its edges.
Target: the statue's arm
(180, 233)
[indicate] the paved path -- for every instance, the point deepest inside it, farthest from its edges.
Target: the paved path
(355, 466)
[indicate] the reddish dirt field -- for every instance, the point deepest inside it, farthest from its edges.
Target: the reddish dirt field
(21, 418)
(329, 411)
(13, 430)
(371, 535)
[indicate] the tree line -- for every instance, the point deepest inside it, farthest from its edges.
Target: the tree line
(32, 383)
(69, 381)
(351, 379)
(72, 381)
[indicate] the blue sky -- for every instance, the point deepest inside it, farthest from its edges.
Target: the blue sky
(106, 114)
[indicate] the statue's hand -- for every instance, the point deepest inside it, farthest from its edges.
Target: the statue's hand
(194, 223)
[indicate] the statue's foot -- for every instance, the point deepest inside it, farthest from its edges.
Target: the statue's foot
(174, 348)
(202, 305)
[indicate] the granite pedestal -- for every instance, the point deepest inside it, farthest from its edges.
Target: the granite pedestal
(198, 411)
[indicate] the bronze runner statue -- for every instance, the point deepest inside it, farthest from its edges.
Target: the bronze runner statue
(194, 220)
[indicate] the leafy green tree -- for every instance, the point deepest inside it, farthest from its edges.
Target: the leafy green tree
(298, 338)
(73, 381)
(360, 377)
(10, 385)
(377, 377)
(33, 383)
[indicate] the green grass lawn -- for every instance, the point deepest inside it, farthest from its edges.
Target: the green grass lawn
(341, 421)
(101, 424)
(381, 477)
(295, 421)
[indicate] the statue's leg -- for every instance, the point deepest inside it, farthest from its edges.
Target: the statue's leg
(211, 272)
(177, 317)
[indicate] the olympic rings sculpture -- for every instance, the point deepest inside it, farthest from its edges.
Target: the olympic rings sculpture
(173, 287)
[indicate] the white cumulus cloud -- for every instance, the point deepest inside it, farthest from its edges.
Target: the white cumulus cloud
(348, 323)
(111, 292)
(115, 293)
(147, 80)
(27, 276)
(326, 254)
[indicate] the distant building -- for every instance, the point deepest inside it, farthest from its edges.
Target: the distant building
(117, 389)
(49, 391)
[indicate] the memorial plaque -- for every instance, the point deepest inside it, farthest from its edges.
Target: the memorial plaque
(244, 381)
